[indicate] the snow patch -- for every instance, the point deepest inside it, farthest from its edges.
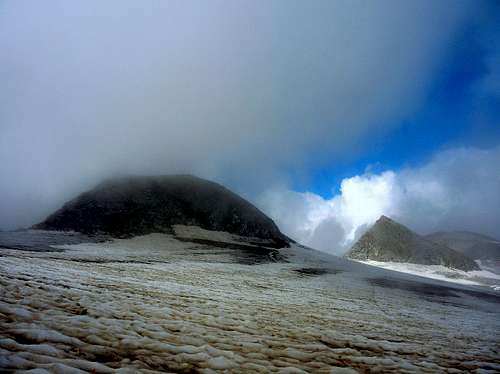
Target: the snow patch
(475, 277)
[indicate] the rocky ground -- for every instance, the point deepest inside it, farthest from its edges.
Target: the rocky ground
(156, 304)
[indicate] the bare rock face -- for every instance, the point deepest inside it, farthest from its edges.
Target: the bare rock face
(389, 241)
(129, 206)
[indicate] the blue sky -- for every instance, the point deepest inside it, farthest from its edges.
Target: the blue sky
(454, 113)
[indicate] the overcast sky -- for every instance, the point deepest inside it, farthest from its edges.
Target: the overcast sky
(261, 96)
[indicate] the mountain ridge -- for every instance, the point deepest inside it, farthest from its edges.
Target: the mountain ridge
(471, 244)
(390, 241)
(138, 205)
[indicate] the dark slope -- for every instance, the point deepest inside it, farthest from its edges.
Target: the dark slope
(471, 244)
(141, 205)
(389, 241)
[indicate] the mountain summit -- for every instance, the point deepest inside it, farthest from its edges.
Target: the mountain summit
(389, 241)
(141, 205)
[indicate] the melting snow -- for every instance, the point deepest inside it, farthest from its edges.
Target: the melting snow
(153, 304)
(477, 277)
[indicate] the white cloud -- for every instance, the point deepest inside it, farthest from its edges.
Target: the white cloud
(363, 199)
(459, 189)
(332, 224)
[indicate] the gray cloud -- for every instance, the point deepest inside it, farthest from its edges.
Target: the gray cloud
(459, 188)
(238, 91)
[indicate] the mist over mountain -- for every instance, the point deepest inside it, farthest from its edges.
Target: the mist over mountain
(471, 244)
(131, 206)
(225, 91)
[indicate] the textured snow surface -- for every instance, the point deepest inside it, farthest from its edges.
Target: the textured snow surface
(154, 304)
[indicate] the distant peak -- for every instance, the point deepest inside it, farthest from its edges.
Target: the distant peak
(388, 223)
(384, 218)
(390, 241)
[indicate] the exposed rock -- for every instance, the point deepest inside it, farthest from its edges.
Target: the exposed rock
(130, 206)
(389, 241)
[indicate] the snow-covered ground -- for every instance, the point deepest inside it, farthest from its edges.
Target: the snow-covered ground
(493, 266)
(156, 304)
(478, 277)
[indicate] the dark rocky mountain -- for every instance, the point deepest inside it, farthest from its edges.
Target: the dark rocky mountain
(129, 206)
(389, 241)
(471, 244)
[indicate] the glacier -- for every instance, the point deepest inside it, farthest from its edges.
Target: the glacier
(176, 303)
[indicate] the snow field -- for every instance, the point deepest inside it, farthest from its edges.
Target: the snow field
(153, 304)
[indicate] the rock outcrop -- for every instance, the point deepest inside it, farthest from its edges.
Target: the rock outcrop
(389, 241)
(130, 206)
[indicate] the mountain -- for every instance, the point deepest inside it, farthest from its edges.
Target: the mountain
(389, 241)
(128, 206)
(471, 244)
